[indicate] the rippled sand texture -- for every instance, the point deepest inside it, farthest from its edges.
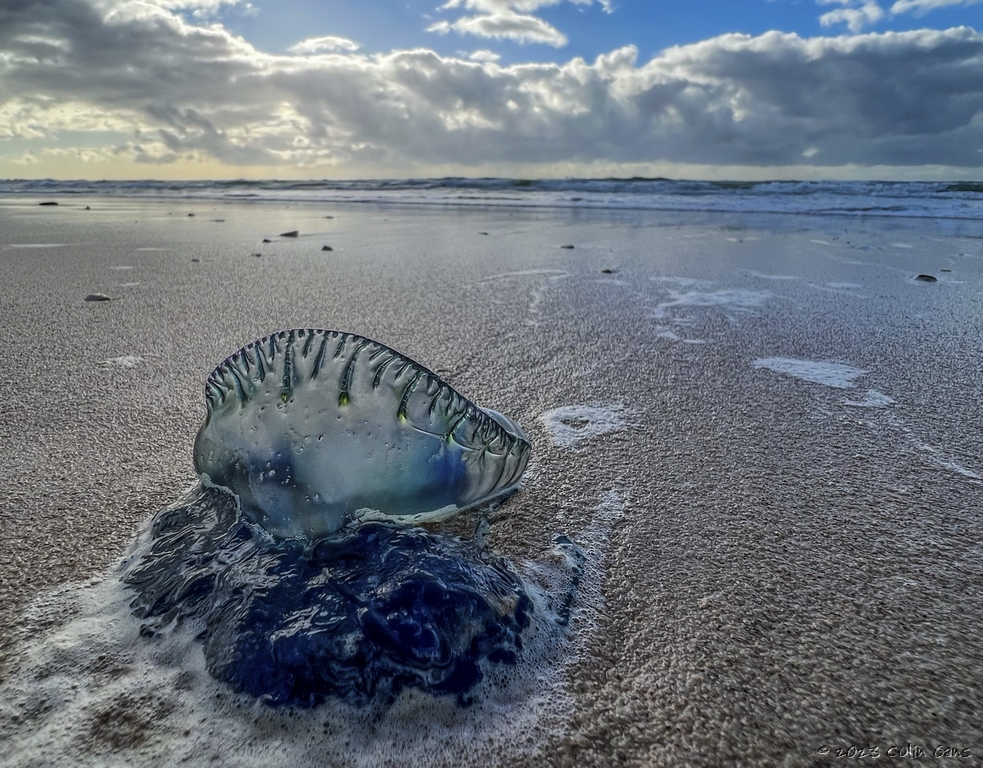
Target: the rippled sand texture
(762, 432)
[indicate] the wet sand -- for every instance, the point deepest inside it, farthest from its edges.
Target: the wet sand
(789, 567)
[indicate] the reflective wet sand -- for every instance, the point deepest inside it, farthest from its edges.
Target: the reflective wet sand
(784, 567)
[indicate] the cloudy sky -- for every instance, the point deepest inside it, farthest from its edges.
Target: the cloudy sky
(178, 89)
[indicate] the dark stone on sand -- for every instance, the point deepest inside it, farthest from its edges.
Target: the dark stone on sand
(257, 255)
(927, 279)
(267, 240)
(946, 270)
(88, 208)
(218, 221)
(291, 233)
(329, 217)
(607, 271)
(568, 247)
(97, 297)
(48, 202)
(482, 233)
(326, 248)
(195, 261)
(190, 214)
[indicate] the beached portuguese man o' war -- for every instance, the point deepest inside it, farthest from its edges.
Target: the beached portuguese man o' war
(297, 560)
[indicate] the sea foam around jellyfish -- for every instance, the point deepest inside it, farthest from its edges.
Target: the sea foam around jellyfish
(299, 563)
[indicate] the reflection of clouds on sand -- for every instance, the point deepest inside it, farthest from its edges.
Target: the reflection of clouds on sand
(682, 282)
(664, 332)
(37, 245)
(829, 374)
(728, 299)
(572, 424)
(765, 276)
(941, 457)
(524, 273)
(841, 288)
(126, 361)
(873, 399)
(537, 292)
(840, 376)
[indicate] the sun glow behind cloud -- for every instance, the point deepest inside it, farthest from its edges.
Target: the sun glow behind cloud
(148, 89)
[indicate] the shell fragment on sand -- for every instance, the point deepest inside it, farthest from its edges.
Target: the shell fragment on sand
(313, 428)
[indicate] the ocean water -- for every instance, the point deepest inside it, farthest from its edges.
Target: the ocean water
(911, 199)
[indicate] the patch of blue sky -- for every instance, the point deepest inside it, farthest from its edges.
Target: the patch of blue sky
(380, 26)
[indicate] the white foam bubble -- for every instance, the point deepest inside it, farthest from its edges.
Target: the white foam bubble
(873, 399)
(85, 688)
(595, 543)
(572, 424)
(826, 373)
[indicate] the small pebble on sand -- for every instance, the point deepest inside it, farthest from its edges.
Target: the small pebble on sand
(97, 297)
(291, 233)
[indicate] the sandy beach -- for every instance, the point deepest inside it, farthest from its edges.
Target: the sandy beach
(770, 451)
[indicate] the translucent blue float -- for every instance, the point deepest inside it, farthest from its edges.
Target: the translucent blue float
(311, 429)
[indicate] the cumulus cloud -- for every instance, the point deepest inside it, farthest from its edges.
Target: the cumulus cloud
(858, 14)
(174, 91)
(484, 55)
(324, 45)
(855, 14)
(507, 25)
(508, 19)
(921, 7)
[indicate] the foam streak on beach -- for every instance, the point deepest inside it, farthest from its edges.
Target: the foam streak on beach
(759, 432)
